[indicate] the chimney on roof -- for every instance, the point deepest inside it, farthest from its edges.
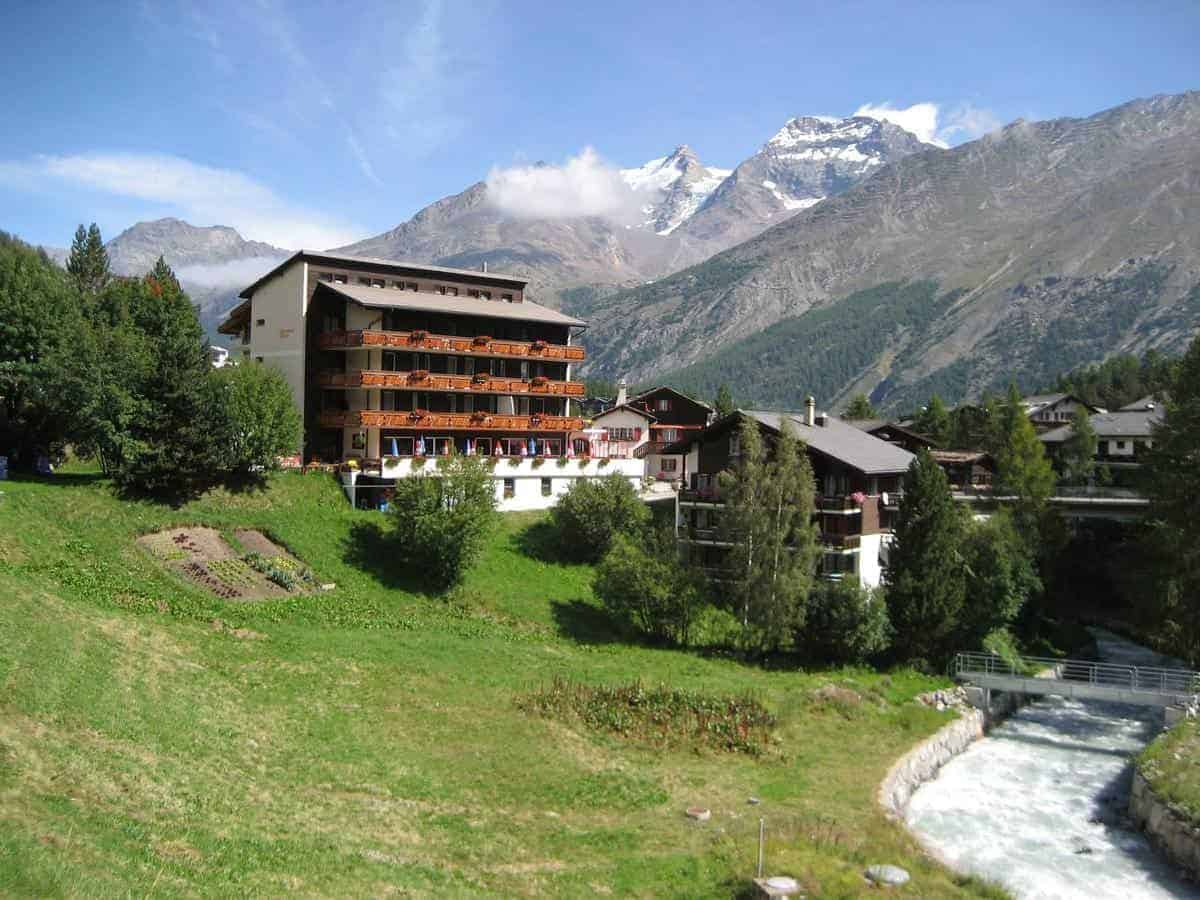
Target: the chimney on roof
(622, 393)
(810, 410)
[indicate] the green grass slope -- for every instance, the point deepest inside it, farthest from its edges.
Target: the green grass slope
(366, 741)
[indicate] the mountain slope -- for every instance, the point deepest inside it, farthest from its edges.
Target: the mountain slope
(1073, 237)
(212, 263)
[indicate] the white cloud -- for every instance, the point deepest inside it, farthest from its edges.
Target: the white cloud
(203, 195)
(967, 122)
(235, 273)
(584, 185)
(920, 118)
(964, 122)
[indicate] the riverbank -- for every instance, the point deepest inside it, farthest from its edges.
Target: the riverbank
(1165, 799)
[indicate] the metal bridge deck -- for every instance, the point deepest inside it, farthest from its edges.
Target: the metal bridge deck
(1080, 679)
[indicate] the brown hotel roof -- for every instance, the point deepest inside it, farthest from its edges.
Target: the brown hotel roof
(383, 298)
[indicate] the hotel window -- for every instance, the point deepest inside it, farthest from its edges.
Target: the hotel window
(452, 291)
(553, 446)
(547, 486)
(670, 435)
(485, 295)
(410, 286)
(670, 464)
(260, 322)
(510, 488)
(362, 280)
(507, 297)
(378, 282)
(468, 365)
(662, 404)
(483, 446)
(621, 434)
(471, 292)
(325, 276)
(339, 279)
(395, 445)
(441, 445)
(468, 404)
(398, 285)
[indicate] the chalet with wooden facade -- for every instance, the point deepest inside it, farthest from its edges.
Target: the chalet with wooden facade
(652, 426)
(858, 477)
(393, 362)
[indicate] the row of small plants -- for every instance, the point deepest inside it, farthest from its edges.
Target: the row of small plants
(211, 581)
(663, 716)
(283, 571)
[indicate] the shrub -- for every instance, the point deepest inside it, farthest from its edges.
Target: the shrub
(591, 513)
(846, 624)
(443, 519)
(646, 587)
(262, 420)
(662, 716)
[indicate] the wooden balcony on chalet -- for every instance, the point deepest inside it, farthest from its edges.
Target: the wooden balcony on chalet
(481, 345)
(470, 384)
(419, 420)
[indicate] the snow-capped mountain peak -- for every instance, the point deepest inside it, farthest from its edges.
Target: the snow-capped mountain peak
(676, 185)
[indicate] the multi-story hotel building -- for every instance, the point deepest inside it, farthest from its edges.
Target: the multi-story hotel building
(392, 363)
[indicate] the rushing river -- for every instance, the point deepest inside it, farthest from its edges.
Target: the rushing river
(1039, 804)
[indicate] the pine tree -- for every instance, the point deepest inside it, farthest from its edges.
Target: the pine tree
(768, 520)
(1022, 468)
(1078, 454)
(163, 276)
(1172, 481)
(88, 260)
(934, 421)
(926, 571)
(860, 408)
(724, 402)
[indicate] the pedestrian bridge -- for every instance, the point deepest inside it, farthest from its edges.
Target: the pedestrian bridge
(1079, 679)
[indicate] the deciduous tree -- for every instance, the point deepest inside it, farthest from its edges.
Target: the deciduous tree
(591, 513)
(642, 582)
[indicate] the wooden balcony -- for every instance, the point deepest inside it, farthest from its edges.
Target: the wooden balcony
(419, 420)
(467, 384)
(445, 343)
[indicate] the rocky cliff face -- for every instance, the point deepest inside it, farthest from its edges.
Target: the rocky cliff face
(1044, 243)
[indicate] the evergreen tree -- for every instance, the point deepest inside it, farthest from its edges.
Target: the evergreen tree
(768, 520)
(724, 402)
(88, 261)
(1022, 467)
(172, 448)
(934, 421)
(1078, 454)
(1172, 481)
(163, 276)
(926, 571)
(860, 408)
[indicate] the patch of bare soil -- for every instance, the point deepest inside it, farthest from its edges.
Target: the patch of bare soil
(205, 558)
(257, 542)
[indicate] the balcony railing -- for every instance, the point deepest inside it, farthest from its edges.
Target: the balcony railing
(427, 421)
(477, 384)
(841, 541)
(446, 343)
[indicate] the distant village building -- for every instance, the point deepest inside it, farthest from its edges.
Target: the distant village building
(894, 433)
(393, 363)
(649, 425)
(858, 477)
(218, 356)
(1122, 436)
(1052, 410)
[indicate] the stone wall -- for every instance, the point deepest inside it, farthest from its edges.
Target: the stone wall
(1175, 835)
(923, 761)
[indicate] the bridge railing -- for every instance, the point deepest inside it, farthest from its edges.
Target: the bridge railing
(1145, 679)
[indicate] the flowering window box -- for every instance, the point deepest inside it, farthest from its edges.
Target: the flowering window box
(481, 339)
(537, 346)
(418, 336)
(419, 375)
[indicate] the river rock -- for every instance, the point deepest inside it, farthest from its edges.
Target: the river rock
(889, 876)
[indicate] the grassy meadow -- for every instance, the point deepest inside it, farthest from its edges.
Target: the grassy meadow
(155, 740)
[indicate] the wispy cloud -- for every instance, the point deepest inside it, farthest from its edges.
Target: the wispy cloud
(237, 272)
(585, 185)
(927, 121)
(203, 195)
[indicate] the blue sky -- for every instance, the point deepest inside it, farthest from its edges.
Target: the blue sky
(312, 125)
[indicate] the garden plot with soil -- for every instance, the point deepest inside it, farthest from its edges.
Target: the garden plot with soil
(257, 569)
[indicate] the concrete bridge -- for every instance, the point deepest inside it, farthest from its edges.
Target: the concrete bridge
(1079, 679)
(1112, 503)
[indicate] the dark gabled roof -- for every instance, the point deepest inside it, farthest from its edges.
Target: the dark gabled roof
(391, 265)
(387, 298)
(871, 426)
(835, 439)
(1143, 405)
(672, 390)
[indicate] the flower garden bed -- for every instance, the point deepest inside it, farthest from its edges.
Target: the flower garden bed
(205, 558)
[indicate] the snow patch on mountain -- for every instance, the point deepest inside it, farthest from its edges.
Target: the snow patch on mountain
(675, 187)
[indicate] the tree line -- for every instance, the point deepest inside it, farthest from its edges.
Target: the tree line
(118, 368)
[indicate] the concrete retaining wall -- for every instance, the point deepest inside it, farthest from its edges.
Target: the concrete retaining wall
(923, 761)
(1172, 833)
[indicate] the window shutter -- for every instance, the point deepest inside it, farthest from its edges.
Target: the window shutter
(637, 434)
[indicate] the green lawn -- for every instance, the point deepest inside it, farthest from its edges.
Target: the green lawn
(154, 740)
